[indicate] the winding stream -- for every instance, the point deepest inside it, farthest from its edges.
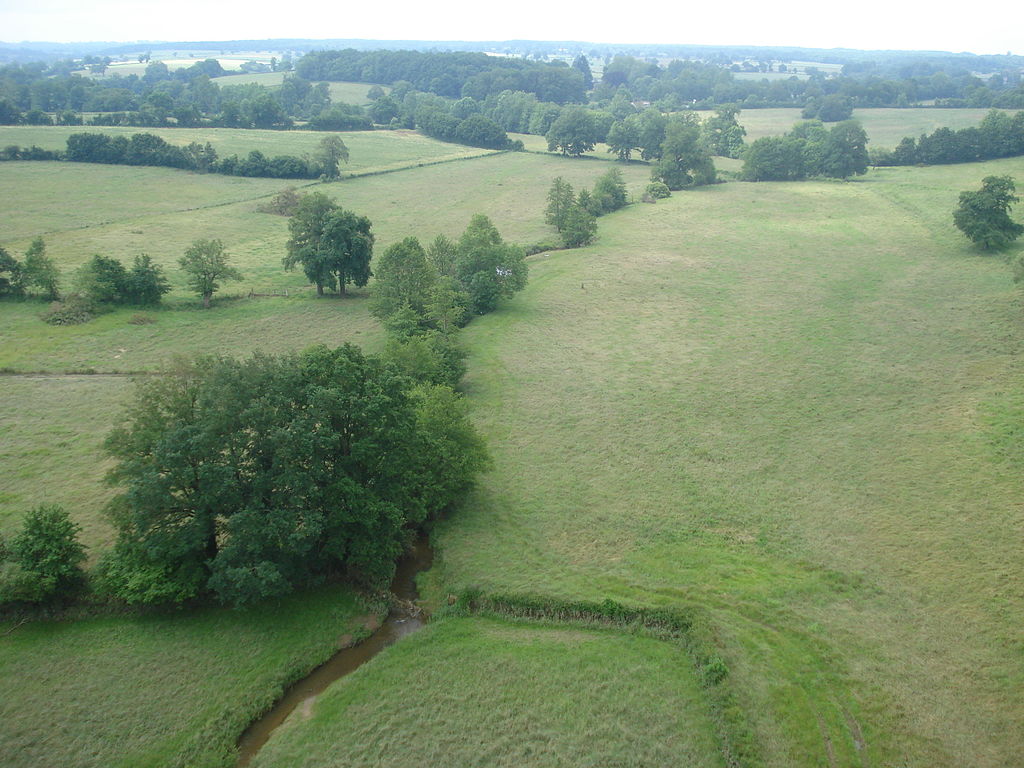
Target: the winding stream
(400, 622)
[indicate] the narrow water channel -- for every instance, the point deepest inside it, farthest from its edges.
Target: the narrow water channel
(399, 623)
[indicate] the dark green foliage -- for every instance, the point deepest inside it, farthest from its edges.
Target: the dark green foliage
(206, 264)
(404, 278)
(624, 137)
(426, 357)
(10, 274)
(46, 556)
(488, 268)
(333, 245)
(579, 228)
(480, 131)
(774, 158)
(249, 479)
(684, 161)
(723, 134)
(984, 215)
(103, 280)
(146, 283)
(149, 149)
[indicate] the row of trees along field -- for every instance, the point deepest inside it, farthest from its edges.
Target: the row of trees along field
(43, 94)
(247, 479)
(152, 150)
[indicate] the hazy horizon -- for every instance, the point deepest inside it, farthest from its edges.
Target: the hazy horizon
(875, 26)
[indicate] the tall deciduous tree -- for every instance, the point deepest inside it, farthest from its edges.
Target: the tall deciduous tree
(206, 265)
(984, 215)
(334, 246)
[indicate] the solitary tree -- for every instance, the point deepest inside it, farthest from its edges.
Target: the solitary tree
(329, 153)
(333, 245)
(984, 215)
(206, 264)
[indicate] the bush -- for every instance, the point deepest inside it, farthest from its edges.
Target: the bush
(74, 310)
(46, 555)
(657, 190)
(284, 203)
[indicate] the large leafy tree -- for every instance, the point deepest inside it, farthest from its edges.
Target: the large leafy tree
(574, 132)
(334, 246)
(845, 153)
(251, 478)
(984, 215)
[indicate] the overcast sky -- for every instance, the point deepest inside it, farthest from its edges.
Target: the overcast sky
(991, 27)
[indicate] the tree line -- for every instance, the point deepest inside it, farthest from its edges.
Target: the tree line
(151, 150)
(998, 135)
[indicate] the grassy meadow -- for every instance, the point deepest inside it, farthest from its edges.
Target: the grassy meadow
(486, 692)
(159, 690)
(794, 408)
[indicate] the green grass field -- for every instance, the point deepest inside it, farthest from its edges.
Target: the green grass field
(158, 691)
(793, 407)
(498, 693)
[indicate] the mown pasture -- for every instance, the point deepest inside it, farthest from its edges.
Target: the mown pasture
(790, 406)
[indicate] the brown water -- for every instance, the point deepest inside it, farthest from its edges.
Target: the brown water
(403, 619)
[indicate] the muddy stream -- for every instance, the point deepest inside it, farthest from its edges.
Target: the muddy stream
(403, 619)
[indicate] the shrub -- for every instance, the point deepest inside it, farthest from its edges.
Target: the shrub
(284, 203)
(48, 553)
(657, 190)
(74, 310)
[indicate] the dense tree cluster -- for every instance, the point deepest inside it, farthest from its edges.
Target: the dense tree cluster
(809, 149)
(250, 479)
(998, 135)
(451, 75)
